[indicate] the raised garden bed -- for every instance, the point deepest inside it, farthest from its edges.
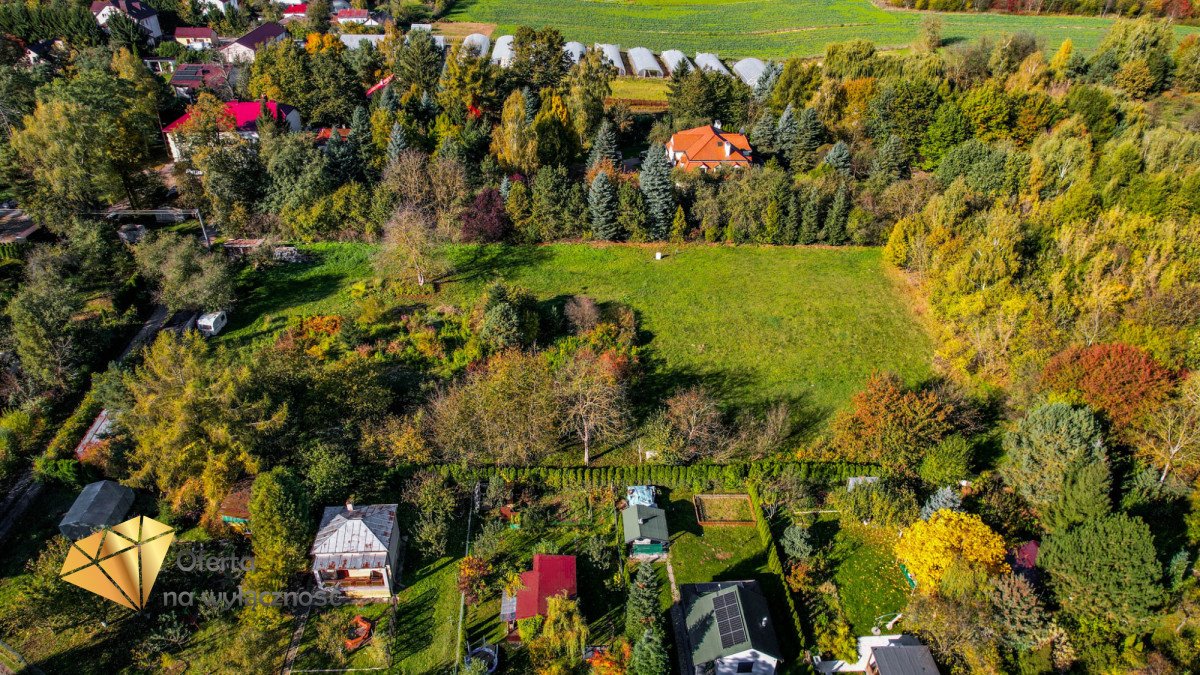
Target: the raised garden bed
(723, 510)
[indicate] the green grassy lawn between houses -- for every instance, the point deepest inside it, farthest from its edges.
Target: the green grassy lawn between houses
(757, 324)
(763, 28)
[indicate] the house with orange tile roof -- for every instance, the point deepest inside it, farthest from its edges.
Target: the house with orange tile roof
(709, 148)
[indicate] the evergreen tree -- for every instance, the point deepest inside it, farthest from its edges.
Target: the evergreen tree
(791, 223)
(891, 162)
(605, 146)
(360, 136)
(656, 185)
(1084, 497)
(796, 543)
(602, 203)
(679, 226)
(343, 159)
(765, 85)
(762, 135)
(397, 142)
(388, 100)
(812, 132)
(649, 654)
(787, 133)
(835, 220)
(631, 217)
(946, 498)
(505, 186)
(772, 222)
(839, 158)
(949, 128)
(810, 218)
(641, 605)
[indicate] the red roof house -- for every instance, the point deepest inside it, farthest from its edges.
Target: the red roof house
(245, 122)
(551, 575)
(295, 11)
(708, 148)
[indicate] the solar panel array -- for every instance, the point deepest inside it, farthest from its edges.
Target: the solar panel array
(729, 620)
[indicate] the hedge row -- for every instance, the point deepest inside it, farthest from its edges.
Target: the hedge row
(62, 446)
(697, 476)
(773, 560)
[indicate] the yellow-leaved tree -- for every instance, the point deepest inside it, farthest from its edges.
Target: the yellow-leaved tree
(930, 547)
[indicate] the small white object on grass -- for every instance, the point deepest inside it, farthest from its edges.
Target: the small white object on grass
(658, 255)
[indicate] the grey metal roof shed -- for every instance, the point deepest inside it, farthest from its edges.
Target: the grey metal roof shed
(644, 63)
(904, 660)
(612, 54)
(644, 522)
(99, 505)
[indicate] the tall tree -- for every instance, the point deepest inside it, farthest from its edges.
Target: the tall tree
(1044, 447)
(410, 247)
(513, 141)
(604, 145)
(650, 654)
(588, 84)
(641, 604)
(594, 403)
(43, 315)
(539, 59)
(602, 204)
(659, 191)
(185, 275)
(1170, 436)
(279, 508)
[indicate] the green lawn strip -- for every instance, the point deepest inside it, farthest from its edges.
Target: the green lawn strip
(740, 28)
(868, 579)
(427, 610)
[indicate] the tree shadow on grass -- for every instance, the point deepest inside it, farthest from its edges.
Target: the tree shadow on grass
(476, 263)
(416, 617)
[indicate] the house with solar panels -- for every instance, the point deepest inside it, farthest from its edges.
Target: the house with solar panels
(729, 629)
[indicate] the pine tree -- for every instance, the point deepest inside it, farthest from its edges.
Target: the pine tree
(602, 204)
(604, 146)
(945, 498)
(649, 654)
(343, 159)
(835, 220)
(631, 219)
(766, 82)
(397, 142)
(1084, 497)
(949, 128)
(810, 218)
(891, 162)
(679, 226)
(505, 186)
(360, 136)
(787, 133)
(839, 158)
(388, 100)
(641, 606)
(656, 185)
(763, 134)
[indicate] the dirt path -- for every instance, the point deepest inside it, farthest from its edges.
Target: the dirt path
(294, 646)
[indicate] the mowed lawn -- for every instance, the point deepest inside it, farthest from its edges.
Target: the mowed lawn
(763, 28)
(755, 324)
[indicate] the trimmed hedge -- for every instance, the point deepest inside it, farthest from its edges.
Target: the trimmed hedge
(62, 446)
(697, 476)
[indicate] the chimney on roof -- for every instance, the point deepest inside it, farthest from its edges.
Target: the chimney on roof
(728, 148)
(717, 125)
(349, 505)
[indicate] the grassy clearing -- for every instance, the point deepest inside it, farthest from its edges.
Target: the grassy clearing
(640, 88)
(725, 508)
(756, 324)
(370, 655)
(715, 553)
(427, 611)
(739, 28)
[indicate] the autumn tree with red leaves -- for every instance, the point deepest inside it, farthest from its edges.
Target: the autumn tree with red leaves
(1122, 382)
(890, 424)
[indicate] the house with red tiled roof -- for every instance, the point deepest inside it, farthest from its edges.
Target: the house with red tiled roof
(139, 12)
(361, 17)
(551, 575)
(196, 37)
(295, 12)
(709, 148)
(244, 117)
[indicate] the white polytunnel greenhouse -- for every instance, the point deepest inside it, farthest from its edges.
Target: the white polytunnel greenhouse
(575, 51)
(676, 60)
(612, 54)
(478, 43)
(711, 63)
(644, 63)
(749, 70)
(502, 53)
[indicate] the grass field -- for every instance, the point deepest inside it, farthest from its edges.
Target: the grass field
(757, 324)
(640, 88)
(868, 577)
(764, 28)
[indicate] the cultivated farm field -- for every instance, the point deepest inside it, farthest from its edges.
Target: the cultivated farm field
(763, 28)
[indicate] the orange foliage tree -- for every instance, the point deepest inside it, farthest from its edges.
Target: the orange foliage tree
(890, 424)
(1122, 382)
